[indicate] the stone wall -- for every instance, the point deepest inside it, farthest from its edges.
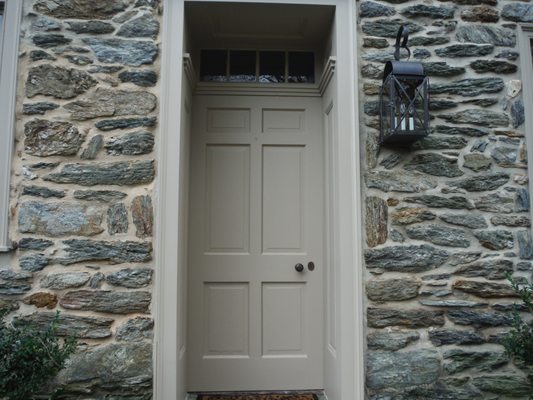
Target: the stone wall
(82, 184)
(447, 218)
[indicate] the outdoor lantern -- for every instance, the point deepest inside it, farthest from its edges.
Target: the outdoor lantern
(403, 98)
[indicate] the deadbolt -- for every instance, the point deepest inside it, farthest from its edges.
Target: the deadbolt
(299, 267)
(311, 266)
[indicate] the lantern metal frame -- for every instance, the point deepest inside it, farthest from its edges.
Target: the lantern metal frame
(403, 99)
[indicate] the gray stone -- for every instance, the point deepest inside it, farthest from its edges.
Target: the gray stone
(465, 50)
(511, 220)
(518, 12)
(392, 289)
(400, 370)
(70, 49)
(396, 236)
(434, 164)
(131, 144)
(378, 43)
(379, 56)
(8, 305)
(69, 325)
(524, 266)
(143, 215)
(128, 52)
(441, 68)
(79, 59)
(440, 235)
(371, 71)
(460, 258)
(481, 183)
(479, 145)
(44, 165)
(115, 252)
(398, 181)
(477, 162)
(510, 307)
(107, 301)
(388, 27)
(484, 34)
(126, 123)
(91, 27)
(428, 41)
(406, 216)
(131, 278)
(112, 102)
(144, 78)
(391, 161)
(97, 280)
(512, 385)
(39, 191)
(120, 173)
(48, 138)
(522, 200)
(38, 55)
(504, 156)
(371, 108)
(452, 303)
(38, 108)
(508, 55)
(143, 26)
(370, 9)
(426, 11)
(65, 280)
(442, 391)
(468, 220)
(50, 40)
(495, 239)
(458, 360)
(14, 283)
(443, 337)
(45, 24)
(481, 102)
(376, 216)
(421, 54)
(517, 113)
(453, 202)
(34, 244)
(469, 87)
(80, 9)
(417, 318)
(59, 219)
(441, 104)
(105, 69)
(485, 118)
(455, 130)
(93, 147)
(391, 341)
(59, 82)
(491, 269)
(135, 329)
(485, 289)
(493, 66)
(124, 372)
(117, 219)
(525, 245)
(479, 318)
(105, 196)
(500, 202)
(33, 262)
(405, 258)
(480, 14)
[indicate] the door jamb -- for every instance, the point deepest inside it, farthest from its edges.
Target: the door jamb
(168, 375)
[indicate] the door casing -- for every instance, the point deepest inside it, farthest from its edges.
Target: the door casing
(346, 376)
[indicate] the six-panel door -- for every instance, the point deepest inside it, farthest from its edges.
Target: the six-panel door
(256, 211)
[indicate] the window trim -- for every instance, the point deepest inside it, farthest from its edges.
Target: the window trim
(8, 89)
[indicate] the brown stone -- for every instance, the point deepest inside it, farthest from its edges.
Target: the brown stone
(376, 221)
(417, 318)
(42, 299)
(480, 14)
(391, 202)
(408, 216)
(392, 289)
(485, 289)
(143, 217)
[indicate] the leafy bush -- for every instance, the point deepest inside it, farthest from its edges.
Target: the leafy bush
(30, 357)
(519, 341)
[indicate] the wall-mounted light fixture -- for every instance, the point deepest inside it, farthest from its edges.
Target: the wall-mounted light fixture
(404, 98)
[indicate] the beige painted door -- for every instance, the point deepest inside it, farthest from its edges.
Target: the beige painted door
(256, 211)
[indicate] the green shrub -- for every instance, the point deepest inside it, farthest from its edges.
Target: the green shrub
(30, 358)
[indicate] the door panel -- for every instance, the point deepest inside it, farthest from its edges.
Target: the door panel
(256, 210)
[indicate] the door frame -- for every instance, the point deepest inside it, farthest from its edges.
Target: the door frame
(169, 368)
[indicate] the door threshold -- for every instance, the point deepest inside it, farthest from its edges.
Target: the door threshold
(320, 394)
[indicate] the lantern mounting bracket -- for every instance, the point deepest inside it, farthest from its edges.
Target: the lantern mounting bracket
(403, 32)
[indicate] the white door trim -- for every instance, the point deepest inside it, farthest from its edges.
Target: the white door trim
(168, 371)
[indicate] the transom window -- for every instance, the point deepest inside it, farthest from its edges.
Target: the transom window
(257, 66)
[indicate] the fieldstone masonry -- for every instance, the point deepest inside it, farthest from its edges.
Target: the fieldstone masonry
(82, 187)
(445, 219)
